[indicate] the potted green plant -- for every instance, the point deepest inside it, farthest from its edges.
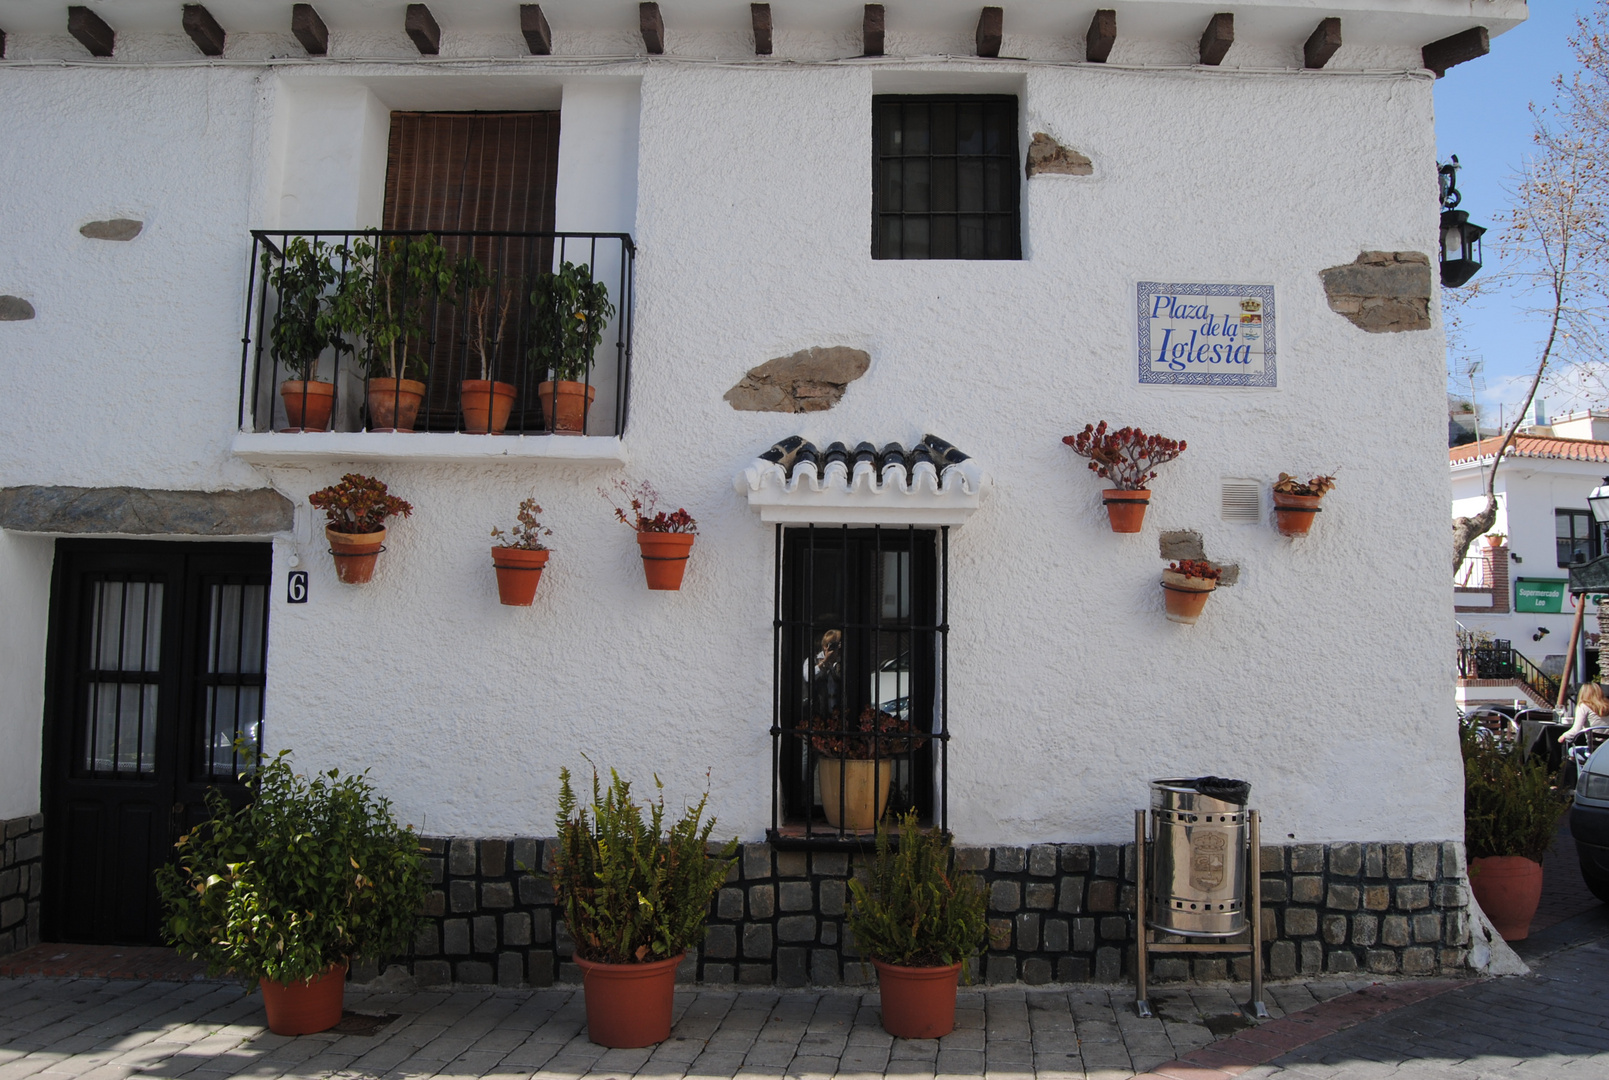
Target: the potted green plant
(855, 763)
(355, 512)
(487, 299)
(919, 921)
(1296, 501)
(635, 893)
(569, 312)
(304, 326)
(1185, 587)
(309, 876)
(1511, 815)
(1128, 457)
(664, 539)
(520, 556)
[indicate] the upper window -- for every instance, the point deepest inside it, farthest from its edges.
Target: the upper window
(945, 177)
(1577, 536)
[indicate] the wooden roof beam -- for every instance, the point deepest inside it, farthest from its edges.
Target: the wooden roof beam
(871, 30)
(1216, 39)
(653, 28)
(538, 34)
(1468, 45)
(91, 31)
(1101, 37)
(1322, 44)
(991, 23)
(760, 15)
(310, 30)
(203, 29)
(423, 29)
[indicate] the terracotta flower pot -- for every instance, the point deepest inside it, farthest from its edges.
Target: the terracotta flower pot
(628, 1005)
(307, 404)
(1125, 509)
(664, 558)
(918, 1002)
(394, 403)
(306, 1007)
(1294, 514)
(355, 554)
(865, 795)
(518, 572)
(1508, 888)
(566, 405)
(486, 405)
(1494, 540)
(1185, 596)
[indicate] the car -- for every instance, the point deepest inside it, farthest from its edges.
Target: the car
(1589, 821)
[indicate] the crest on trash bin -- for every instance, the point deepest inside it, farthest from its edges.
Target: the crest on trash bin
(1207, 860)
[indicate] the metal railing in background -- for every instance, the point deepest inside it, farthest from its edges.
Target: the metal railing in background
(1500, 660)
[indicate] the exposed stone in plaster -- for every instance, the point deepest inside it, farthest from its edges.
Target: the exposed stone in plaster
(810, 380)
(15, 309)
(1186, 544)
(144, 511)
(113, 229)
(1382, 291)
(1046, 155)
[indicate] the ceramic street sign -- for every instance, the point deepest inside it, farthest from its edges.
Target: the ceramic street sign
(1206, 335)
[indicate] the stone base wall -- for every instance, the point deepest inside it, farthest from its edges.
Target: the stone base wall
(22, 879)
(1057, 913)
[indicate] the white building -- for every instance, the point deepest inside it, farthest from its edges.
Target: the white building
(1281, 157)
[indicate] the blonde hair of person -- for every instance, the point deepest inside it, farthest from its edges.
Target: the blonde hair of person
(1593, 697)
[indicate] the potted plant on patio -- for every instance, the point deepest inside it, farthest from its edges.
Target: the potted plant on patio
(1297, 501)
(520, 556)
(569, 312)
(665, 539)
(1128, 457)
(635, 893)
(488, 299)
(309, 876)
(304, 326)
(1185, 587)
(355, 512)
(919, 921)
(1511, 814)
(855, 763)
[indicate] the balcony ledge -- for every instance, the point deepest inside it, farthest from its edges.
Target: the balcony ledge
(428, 447)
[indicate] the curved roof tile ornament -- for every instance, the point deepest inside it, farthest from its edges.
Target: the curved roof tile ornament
(931, 483)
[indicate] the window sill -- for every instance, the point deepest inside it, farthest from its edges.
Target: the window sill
(431, 447)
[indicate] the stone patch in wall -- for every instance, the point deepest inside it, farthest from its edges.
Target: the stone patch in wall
(145, 511)
(1046, 156)
(810, 380)
(15, 309)
(1382, 292)
(112, 229)
(1186, 544)
(22, 879)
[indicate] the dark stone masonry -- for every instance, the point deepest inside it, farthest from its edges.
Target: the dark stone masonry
(1057, 913)
(22, 879)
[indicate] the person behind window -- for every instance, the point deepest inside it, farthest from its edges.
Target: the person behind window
(1591, 710)
(825, 676)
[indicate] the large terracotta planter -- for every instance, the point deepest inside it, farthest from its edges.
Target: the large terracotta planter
(664, 558)
(355, 554)
(394, 403)
(306, 1007)
(628, 1005)
(918, 1002)
(307, 404)
(1185, 597)
(866, 785)
(1508, 888)
(519, 570)
(1125, 509)
(1294, 514)
(486, 405)
(565, 405)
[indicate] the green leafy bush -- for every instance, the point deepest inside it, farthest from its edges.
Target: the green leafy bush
(912, 908)
(311, 873)
(630, 890)
(304, 322)
(1510, 806)
(568, 313)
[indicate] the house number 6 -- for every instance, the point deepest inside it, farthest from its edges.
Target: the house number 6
(296, 587)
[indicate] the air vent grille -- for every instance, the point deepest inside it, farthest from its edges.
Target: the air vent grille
(1242, 501)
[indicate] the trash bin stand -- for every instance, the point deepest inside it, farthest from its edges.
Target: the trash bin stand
(1142, 932)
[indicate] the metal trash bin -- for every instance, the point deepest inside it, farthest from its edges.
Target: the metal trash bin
(1198, 856)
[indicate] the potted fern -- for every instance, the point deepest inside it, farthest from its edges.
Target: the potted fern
(919, 920)
(520, 556)
(1128, 457)
(312, 874)
(569, 312)
(635, 893)
(304, 326)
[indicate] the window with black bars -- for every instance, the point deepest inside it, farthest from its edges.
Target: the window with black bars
(859, 729)
(1577, 537)
(945, 177)
(230, 677)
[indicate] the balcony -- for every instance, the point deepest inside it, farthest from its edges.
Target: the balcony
(408, 345)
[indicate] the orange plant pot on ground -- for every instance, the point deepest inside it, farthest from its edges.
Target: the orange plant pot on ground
(918, 1002)
(1508, 889)
(307, 1007)
(628, 1005)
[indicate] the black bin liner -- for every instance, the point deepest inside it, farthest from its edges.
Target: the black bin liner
(1219, 787)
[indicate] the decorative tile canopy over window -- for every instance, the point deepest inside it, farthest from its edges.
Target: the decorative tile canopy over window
(930, 483)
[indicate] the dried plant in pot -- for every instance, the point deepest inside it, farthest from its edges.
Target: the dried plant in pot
(1185, 587)
(520, 556)
(855, 762)
(1296, 502)
(487, 299)
(569, 312)
(664, 539)
(635, 891)
(304, 326)
(355, 512)
(1128, 457)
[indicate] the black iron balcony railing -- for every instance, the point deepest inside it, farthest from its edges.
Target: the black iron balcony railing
(407, 330)
(1500, 660)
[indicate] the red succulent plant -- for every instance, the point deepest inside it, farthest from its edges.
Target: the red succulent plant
(1128, 457)
(358, 504)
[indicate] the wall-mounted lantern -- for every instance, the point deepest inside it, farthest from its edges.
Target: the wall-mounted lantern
(1460, 241)
(1599, 501)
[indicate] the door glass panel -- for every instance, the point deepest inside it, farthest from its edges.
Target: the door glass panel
(120, 706)
(233, 682)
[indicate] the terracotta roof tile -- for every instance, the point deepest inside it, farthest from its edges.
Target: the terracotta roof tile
(1531, 446)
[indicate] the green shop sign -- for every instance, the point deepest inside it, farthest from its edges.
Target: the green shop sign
(1544, 596)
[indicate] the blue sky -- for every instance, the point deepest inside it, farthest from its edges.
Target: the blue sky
(1483, 116)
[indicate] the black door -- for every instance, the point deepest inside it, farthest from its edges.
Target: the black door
(155, 669)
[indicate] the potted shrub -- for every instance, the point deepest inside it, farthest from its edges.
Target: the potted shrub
(855, 763)
(1295, 502)
(1128, 458)
(665, 539)
(1185, 587)
(919, 921)
(569, 312)
(309, 876)
(355, 511)
(488, 298)
(520, 556)
(635, 893)
(1511, 814)
(304, 326)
